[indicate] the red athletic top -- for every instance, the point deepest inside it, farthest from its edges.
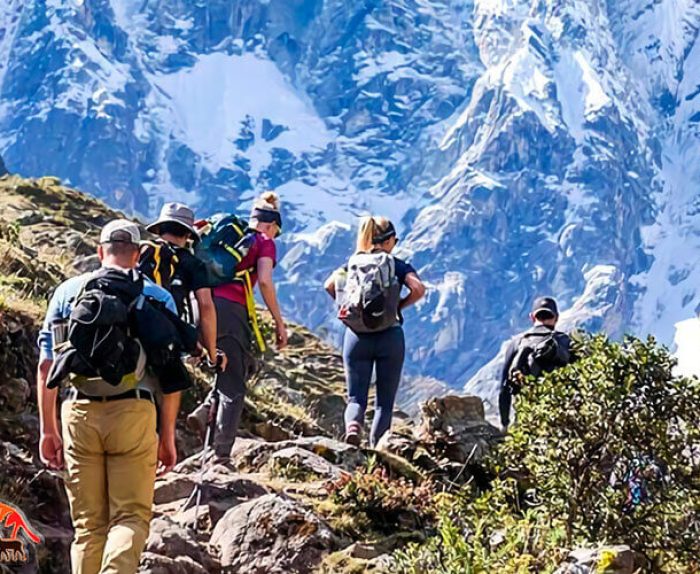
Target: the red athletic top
(263, 246)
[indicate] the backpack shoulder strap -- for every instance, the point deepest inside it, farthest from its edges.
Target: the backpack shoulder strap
(522, 351)
(83, 285)
(137, 303)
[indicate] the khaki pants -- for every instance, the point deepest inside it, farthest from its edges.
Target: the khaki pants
(110, 452)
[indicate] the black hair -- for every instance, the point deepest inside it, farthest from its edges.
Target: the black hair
(173, 228)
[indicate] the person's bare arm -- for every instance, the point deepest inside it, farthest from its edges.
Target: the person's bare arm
(269, 295)
(50, 443)
(167, 450)
(329, 285)
(416, 291)
(207, 324)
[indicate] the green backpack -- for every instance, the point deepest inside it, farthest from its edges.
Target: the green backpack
(225, 239)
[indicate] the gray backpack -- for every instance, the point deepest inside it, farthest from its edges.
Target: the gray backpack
(369, 298)
(537, 353)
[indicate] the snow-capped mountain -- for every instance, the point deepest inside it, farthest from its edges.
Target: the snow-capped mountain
(524, 146)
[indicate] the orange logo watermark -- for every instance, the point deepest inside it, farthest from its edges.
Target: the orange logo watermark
(13, 550)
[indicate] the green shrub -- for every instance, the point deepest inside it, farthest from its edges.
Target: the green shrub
(566, 469)
(485, 536)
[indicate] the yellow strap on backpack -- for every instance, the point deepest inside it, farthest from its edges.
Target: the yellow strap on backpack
(156, 270)
(252, 312)
(157, 247)
(237, 256)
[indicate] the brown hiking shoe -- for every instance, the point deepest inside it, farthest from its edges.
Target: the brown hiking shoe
(197, 421)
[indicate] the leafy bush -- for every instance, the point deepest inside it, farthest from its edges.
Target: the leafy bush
(484, 535)
(606, 450)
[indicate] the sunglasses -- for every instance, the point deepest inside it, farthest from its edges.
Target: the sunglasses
(385, 237)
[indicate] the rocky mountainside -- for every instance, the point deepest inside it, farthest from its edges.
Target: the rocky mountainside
(272, 508)
(293, 498)
(524, 146)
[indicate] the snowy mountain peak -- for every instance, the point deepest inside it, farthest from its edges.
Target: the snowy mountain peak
(522, 147)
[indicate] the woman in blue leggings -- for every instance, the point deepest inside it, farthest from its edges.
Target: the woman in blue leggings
(378, 350)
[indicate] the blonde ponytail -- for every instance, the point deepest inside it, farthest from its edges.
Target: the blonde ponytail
(370, 227)
(365, 234)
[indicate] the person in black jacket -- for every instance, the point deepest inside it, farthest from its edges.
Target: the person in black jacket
(175, 228)
(540, 349)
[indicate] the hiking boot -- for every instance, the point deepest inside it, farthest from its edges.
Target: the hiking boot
(197, 421)
(353, 436)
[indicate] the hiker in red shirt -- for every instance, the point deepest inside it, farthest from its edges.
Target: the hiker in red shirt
(234, 333)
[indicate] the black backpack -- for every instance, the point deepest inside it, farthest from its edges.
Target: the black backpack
(537, 353)
(163, 334)
(100, 337)
(111, 324)
(159, 261)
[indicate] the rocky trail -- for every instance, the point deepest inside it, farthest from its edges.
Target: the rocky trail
(275, 507)
(293, 498)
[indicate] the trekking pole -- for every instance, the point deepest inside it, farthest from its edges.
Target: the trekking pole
(196, 494)
(208, 443)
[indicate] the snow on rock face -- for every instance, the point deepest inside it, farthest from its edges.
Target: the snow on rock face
(262, 96)
(687, 342)
(667, 45)
(521, 147)
(550, 174)
(253, 118)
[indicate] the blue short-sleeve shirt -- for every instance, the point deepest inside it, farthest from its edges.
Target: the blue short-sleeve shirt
(62, 299)
(402, 269)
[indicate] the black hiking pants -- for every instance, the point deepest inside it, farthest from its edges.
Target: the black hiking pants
(234, 337)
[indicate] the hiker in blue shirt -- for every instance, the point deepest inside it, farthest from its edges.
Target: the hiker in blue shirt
(107, 440)
(60, 307)
(368, 292)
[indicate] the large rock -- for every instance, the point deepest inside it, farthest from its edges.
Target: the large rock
(607, 559)
(272, 534)
(168, 538)
(455, 427)
(14, 394)
(402, 443)
(222, 490)
(299, 465)
(341, 454)
(449, 442)
(219, 483)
